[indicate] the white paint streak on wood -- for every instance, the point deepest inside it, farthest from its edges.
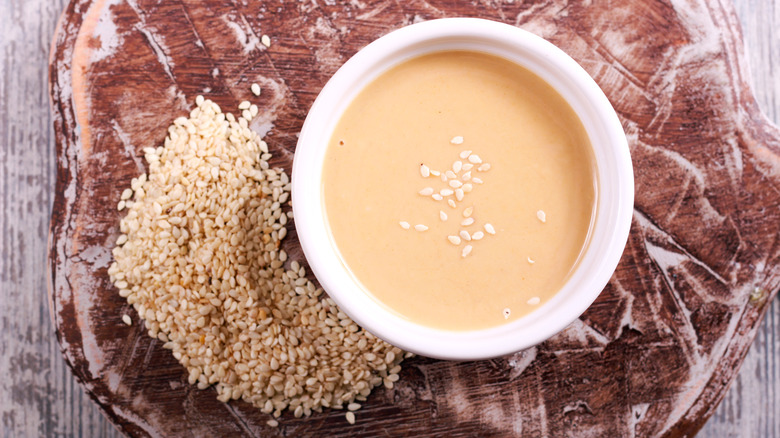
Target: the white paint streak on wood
(580, 334)
(127, 146)
(328, 59)
(80, 64)
(667, 258)
(40, 397)
(751, 408)
(264, 121)
(374, 12)
(636, 414)
(106, 33)
(243, 32)
(519, 361)
(155, 40)
(471, 404)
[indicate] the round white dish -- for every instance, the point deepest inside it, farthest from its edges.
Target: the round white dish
(615, 186)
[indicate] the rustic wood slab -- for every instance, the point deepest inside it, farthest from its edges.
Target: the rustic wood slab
(652, 356)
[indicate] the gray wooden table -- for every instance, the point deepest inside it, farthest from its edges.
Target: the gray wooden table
(39, 396)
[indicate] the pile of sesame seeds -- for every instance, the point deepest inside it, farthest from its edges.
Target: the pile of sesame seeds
(199, 259)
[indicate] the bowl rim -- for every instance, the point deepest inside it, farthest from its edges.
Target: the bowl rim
(614, 208)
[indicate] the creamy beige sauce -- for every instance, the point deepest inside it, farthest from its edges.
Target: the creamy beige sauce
(541, 166)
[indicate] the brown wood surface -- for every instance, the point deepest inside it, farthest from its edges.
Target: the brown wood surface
(652, 356)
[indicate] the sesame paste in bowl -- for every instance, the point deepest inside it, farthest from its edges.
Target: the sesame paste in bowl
(459, 189)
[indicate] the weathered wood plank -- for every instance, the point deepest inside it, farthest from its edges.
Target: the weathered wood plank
(39, 396)
(751, 408)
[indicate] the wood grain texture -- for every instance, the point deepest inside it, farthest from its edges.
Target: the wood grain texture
(39, 396)
(652, 356)
(751, 408)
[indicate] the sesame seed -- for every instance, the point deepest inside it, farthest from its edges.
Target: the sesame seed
(435, 172)
(466, 251)
(467, 222)
(484, 167)
(457, 140)
(425, 171)
(478, 235)
(467, 188)
(265, 40)
(474, 158)
(442, 215)
(468, 211)
(489, 228)
(199, 100)
(452, 203)
(476, 180)
(455, 240)
(466, 176)
(534, 301)
(455, 184)
(456, 166)
(464, 154)
(437, 197)
(428, 191)
(259, 342)
(530, 260)
(450, 174)
(244, 105)
(405, 225)
(420, 227)
(465, 235)
(459, 194)
(507, 312)
(353, 406)
(541, 216)
(255, 89)
(350, 417)
(126, 194)
(467, 166)
(446, 192)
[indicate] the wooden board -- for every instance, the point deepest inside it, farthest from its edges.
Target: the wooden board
(652, 356)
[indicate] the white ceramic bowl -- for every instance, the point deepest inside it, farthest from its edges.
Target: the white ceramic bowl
(615, 192)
